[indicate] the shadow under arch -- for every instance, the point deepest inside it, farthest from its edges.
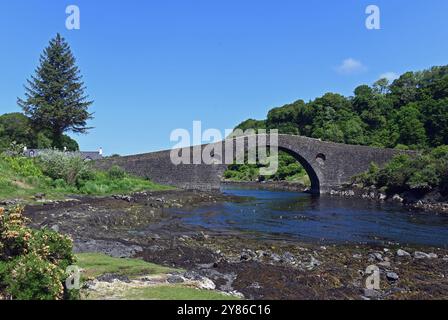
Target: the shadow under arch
(315, 182)
(311, 172)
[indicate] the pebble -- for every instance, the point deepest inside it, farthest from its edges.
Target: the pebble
(255, 285)
(313, 263)
(288, 257)
(376, 256)
(275, 257)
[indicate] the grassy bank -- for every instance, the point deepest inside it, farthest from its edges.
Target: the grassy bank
(95, 265)
(57, 176)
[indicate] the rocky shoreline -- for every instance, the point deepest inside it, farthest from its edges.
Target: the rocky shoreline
(243, 265)
(270, 185)
(430, 202)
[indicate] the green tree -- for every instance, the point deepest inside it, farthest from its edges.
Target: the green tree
(436, 120)
(55, 99)
(411, 128)
(14, 127)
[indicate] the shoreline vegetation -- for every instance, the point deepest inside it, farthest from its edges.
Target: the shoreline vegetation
(56, 175)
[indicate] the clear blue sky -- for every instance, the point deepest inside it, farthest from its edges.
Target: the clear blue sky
(154, 66)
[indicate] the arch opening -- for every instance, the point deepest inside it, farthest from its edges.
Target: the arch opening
(247, 173)
(314, 179)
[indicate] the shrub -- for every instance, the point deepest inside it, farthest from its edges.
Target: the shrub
(423, 173)
(116, 172)
(67, 166)
(32, 262)
(22, 166)
(30, 277)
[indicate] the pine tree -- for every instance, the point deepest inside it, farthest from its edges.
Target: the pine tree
(55, 98)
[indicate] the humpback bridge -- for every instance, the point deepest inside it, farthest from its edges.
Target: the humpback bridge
(329, 165)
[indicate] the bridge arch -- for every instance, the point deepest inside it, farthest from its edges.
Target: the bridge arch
(311, 161)
(312, 173)
(329, 165)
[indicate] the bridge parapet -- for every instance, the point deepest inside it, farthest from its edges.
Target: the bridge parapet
(329, 165)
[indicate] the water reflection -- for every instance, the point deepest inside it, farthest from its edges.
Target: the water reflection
(287, 215)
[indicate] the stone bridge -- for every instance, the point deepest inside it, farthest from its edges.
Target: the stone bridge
(329, 165)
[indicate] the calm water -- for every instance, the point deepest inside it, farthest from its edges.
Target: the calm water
(286, 215)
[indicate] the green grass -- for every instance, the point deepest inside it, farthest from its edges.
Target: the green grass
(21, 178)
(176, 292)
(96, 264)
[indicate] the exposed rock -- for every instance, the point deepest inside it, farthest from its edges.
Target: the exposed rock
(397, 198)
(207, 284)
(275, 257)
(402, 253)
(372, 293)
(313, 263)
(288, 257)
(376, 256)
(123, 197)
(255, 285)
(111, 248)
(200, 236)
(109, 277)
(192, 275)
(39, 196)
(175, 279)
(421, 255)
(392, 276)
(384, 264)
(8, 203)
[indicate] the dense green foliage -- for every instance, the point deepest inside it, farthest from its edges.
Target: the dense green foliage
(288, 169)
(410, 113)
(32, 262)
(55, 100)
(57, 174)
(424, 173)
(17, 128)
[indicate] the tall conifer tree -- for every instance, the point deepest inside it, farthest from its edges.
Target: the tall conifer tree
(55, 98)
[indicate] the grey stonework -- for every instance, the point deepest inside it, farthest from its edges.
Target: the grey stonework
(329, 165)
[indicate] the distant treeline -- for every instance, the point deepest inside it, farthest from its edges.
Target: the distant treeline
(409, 113)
